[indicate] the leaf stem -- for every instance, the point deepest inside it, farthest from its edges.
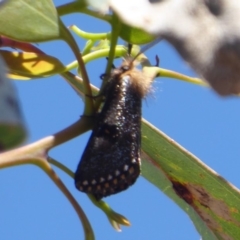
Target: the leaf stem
(88, 35)
(40, 148)
(119, 51)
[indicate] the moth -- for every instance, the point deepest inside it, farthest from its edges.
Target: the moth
(111, 160)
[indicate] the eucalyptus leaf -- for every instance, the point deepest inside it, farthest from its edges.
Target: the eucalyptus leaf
(30, 20)
(211, 202)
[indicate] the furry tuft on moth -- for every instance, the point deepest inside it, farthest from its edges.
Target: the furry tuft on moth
(111, 160)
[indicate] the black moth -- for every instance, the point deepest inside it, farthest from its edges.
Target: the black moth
(111, 160)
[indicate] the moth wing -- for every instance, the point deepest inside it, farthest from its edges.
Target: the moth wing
(110, 162)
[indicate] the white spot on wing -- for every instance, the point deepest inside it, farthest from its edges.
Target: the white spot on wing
(125, 168)
(85, 183)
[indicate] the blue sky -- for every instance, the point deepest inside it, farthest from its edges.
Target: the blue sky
(198, 119)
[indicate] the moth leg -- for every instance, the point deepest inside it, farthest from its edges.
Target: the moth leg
(129, 48)
(113, 66)
(95, 97)
(157, 61)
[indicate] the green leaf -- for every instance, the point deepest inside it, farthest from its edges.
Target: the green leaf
(11, 135)
(12, 127)
(30, 20)
(135, 35)
(211, 202)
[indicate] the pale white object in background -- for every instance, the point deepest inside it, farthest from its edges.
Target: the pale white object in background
(101, 6)
(205, 32)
